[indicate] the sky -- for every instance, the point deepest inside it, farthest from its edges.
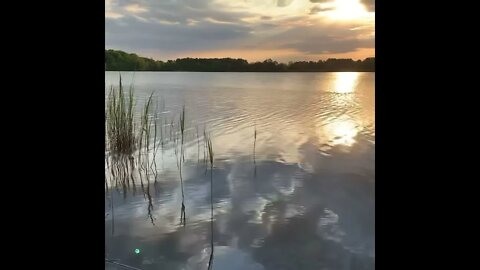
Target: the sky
(255, 30)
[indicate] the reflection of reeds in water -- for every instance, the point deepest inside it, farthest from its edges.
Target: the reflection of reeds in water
(210, 158)
(150, 205)
(182, 159)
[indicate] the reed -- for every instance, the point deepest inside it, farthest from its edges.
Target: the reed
(120, 121)
(182, 159)
(210, 159)
(155, 144)
(122, 137)
(144, 130)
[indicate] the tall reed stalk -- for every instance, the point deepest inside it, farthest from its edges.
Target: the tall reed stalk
(210, 158)
(182, 159)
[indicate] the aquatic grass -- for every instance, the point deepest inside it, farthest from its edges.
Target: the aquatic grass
(128, 143)
(210, 150)
(120, 121)
(145, 129)
(182, 158)
(210, 158)
(175, 145)
(155, 144)
(144, 144)
(121, 138)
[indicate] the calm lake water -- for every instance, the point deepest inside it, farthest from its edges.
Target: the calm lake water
(304, 198)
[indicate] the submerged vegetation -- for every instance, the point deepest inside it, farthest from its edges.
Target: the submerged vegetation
(121, 61)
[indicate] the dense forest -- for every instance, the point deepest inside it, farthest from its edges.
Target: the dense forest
(121, 61)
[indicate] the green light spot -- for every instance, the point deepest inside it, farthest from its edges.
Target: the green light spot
(137, 250)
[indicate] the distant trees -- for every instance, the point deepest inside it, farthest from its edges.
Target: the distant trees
(122, 61)
(202, 64)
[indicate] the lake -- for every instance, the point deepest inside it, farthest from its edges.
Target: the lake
(293, 177)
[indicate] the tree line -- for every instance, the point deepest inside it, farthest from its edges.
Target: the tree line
(116, 60)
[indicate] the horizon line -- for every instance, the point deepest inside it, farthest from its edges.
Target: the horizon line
(228, 57)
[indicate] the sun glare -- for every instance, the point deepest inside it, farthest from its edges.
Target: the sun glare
(345, 82)
(346, 10)
(343, 132)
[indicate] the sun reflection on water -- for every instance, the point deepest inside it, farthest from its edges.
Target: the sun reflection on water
(341, 130)
(345, 82)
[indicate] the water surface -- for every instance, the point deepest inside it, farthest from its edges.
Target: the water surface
(302, 199)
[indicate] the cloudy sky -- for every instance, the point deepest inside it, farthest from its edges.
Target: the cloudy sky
(283, 30)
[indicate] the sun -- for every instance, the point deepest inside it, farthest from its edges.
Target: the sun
(346, 10)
